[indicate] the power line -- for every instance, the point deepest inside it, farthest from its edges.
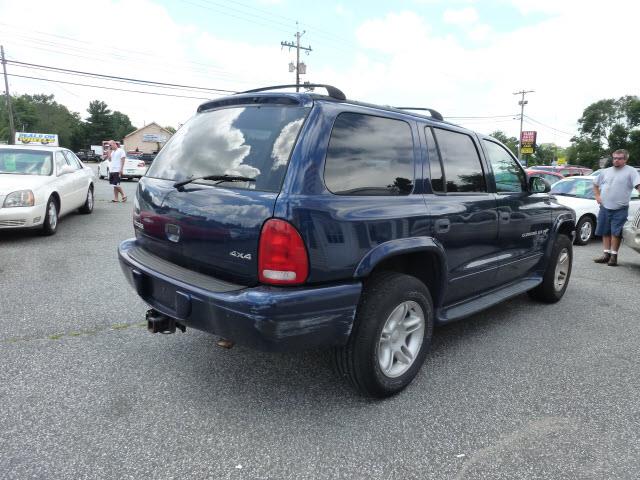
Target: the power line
(94, 54)
(106, 88)
(548, 126)
(113, 77)
(487, 116)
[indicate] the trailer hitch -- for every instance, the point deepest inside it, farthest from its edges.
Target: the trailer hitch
(159, 323)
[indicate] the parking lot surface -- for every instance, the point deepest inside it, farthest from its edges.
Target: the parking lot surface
(523, 390)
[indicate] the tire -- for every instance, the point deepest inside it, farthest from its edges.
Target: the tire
(390, 303)
(50, 224)
(558, 272)
(584, 230)
(88, 203)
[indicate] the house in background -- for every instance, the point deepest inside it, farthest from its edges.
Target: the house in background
(148, 139)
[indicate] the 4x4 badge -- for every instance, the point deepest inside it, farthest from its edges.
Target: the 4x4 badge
(243, 256)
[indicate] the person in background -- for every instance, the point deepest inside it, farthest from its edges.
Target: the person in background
(612, 190)
(117, 157)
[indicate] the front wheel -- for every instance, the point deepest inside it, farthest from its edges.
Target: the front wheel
(556, 276)
(390, 336)
(584, 231)
(51, 218)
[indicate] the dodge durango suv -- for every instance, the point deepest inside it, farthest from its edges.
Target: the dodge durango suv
(287, 221)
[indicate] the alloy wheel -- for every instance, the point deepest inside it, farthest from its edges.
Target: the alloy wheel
(401, 339)
(562, 269)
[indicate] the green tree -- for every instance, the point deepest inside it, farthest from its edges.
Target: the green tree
(42, 114)
(99, 125)
(607, 125)
(121, 125)
(510, 142)
(170, 129)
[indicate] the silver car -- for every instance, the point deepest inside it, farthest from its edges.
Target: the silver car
(631, 232)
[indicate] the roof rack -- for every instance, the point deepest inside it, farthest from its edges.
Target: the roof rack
(434, 113)
(331, 90)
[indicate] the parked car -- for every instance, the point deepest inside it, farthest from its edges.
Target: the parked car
(631, 232)
(564, 170)
(577, 193)
(40, 184)
(133, 168)
(600, 170)
(288, 221)
(551, 177)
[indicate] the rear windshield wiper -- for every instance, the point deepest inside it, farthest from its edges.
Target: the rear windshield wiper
(220, 178)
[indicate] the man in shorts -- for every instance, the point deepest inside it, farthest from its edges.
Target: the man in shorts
(115, 170)
(612, 189)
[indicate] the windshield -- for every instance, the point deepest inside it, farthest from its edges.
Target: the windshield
(253, 142)
(579, 187)
(25, 162)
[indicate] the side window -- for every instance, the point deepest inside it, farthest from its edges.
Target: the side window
(508, 175)
(462, 167)
(369, 155)
(72, 161)
(435, 164)
(60, 162)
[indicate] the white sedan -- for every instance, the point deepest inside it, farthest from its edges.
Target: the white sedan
(577, 193)
(40, 184)
(133, 168)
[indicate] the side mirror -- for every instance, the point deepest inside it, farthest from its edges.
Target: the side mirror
(539, 185)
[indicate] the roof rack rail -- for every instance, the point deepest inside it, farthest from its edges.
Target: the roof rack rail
(434, 113)
(331, 90)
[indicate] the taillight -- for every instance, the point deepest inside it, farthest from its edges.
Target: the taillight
(141, 164)
(282, 256)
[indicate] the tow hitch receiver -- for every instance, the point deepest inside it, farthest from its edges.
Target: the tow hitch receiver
(160, 323)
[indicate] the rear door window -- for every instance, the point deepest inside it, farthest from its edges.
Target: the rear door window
(248, 141)
(461, 161)
(369, 155)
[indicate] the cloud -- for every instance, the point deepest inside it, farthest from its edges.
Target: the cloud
(568, 57)
(463, 17)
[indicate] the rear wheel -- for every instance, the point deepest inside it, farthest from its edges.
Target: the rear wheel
(390, 337)
(557, 274)
(584, 230)
(88, 203)
(50, 217)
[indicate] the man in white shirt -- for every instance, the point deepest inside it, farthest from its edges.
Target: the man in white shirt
(117, 157)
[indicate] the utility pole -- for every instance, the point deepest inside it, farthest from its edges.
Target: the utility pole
(298, 48)
(12, 133)
(522, 103)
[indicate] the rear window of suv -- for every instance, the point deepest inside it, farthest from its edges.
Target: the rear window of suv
(253, 141)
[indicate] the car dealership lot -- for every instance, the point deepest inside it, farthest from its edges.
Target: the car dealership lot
(522, 390)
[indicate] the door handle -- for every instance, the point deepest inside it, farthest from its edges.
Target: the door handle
(443, 225)
(505, 216)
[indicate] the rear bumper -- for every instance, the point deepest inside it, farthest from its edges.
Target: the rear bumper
(262, 317)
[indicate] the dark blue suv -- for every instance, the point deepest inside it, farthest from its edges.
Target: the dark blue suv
(287, 221)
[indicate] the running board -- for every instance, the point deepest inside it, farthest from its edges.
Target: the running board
(486, 300)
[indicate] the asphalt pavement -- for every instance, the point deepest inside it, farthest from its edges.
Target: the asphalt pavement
(520, 391)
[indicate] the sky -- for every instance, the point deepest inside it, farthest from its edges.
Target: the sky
(464, 58)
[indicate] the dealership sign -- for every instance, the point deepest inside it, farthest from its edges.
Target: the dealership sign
(528, 142)
(24, 138)
(154, 137)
